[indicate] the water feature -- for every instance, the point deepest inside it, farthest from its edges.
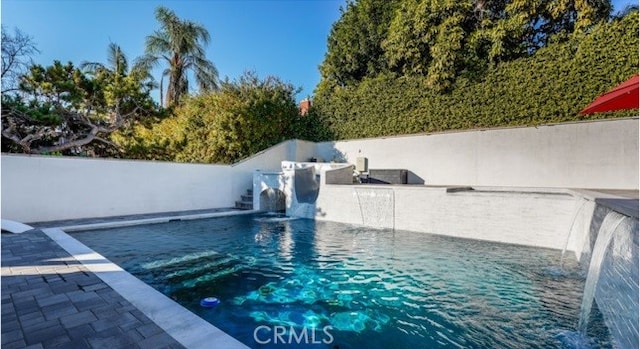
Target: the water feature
(377, 207)
(605, 234)
(272, 200)
(306, 185)
(376, 288)
(574, 218)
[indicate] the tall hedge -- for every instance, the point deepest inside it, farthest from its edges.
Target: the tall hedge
(551, 86)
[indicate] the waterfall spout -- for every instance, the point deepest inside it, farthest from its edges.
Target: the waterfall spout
(377, 207)
(574, 217)
(605, 234)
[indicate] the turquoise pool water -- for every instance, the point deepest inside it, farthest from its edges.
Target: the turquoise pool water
(354, 287)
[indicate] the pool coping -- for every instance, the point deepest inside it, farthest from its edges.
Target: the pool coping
(184, 326)
(155, 220)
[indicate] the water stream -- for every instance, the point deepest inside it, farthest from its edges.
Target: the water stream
(377, 207)
(574, 217)
(605, 234)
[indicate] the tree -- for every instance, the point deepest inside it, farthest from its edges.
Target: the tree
(354, 45)
(62, 110)
(17, 50)
(128, 87)
(243, 117)
(427, 38)
(443, 39)
(550, 86)
(519, 28)
(180, 44)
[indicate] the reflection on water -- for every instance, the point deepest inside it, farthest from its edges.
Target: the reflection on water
(375, 288)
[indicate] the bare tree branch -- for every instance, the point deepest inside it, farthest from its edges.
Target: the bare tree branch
(16, 57)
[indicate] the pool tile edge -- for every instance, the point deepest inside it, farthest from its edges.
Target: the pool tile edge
(119, 224)
(181, 324)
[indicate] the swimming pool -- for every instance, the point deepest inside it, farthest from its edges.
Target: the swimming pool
(353, 287)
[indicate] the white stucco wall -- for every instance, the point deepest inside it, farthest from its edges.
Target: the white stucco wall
(600, 154)
(269, 160)
(524, 218)
(40, 188)
(304, 151)
(597, 154)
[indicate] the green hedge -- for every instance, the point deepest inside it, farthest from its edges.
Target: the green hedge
(551, 86)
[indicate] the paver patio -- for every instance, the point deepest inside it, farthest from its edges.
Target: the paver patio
(50, 300)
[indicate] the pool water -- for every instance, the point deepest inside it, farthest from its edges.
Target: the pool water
(374, 288)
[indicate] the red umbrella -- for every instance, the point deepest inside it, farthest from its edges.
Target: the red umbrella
(621, 97)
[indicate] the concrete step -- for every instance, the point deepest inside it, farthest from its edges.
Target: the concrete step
(247, 198)
(250, 192)
(244, 205)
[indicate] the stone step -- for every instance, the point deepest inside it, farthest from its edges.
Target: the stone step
(247, 198)
(250, 192)
(244, 205)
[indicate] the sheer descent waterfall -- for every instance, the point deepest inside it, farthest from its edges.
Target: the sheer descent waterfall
(377, 207)
(612, 279)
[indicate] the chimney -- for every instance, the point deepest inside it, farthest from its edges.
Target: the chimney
(304, 106)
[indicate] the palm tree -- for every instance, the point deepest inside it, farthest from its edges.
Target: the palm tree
(116, 59)
(180, 43)
(118, 67)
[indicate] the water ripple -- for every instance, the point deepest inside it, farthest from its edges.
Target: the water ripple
(376, 288)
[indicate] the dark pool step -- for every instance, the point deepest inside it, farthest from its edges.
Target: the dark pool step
(246, 202)
(244, 205)
(197, 271)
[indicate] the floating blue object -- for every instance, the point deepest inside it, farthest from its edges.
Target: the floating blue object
(209, 302)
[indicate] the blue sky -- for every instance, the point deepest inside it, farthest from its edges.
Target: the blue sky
(282, 38)
(286, 38)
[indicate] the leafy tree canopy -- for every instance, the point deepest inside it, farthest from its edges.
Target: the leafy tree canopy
(550, 86)
(354, 45)
(245, 116)
(61, 109)
(441, 39)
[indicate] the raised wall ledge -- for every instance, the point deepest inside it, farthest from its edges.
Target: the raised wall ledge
(622, 201)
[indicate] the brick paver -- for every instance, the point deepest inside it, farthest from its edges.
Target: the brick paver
(50, 300)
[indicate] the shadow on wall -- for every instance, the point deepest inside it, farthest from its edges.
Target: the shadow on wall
(335, 155)
(413, 178)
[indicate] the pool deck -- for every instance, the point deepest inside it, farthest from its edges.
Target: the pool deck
(51, 300)
(58, 293)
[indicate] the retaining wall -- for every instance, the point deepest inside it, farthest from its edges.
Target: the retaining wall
(43, 188)
(597, 154)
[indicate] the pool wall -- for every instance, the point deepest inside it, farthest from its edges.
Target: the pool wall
(541, 219)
